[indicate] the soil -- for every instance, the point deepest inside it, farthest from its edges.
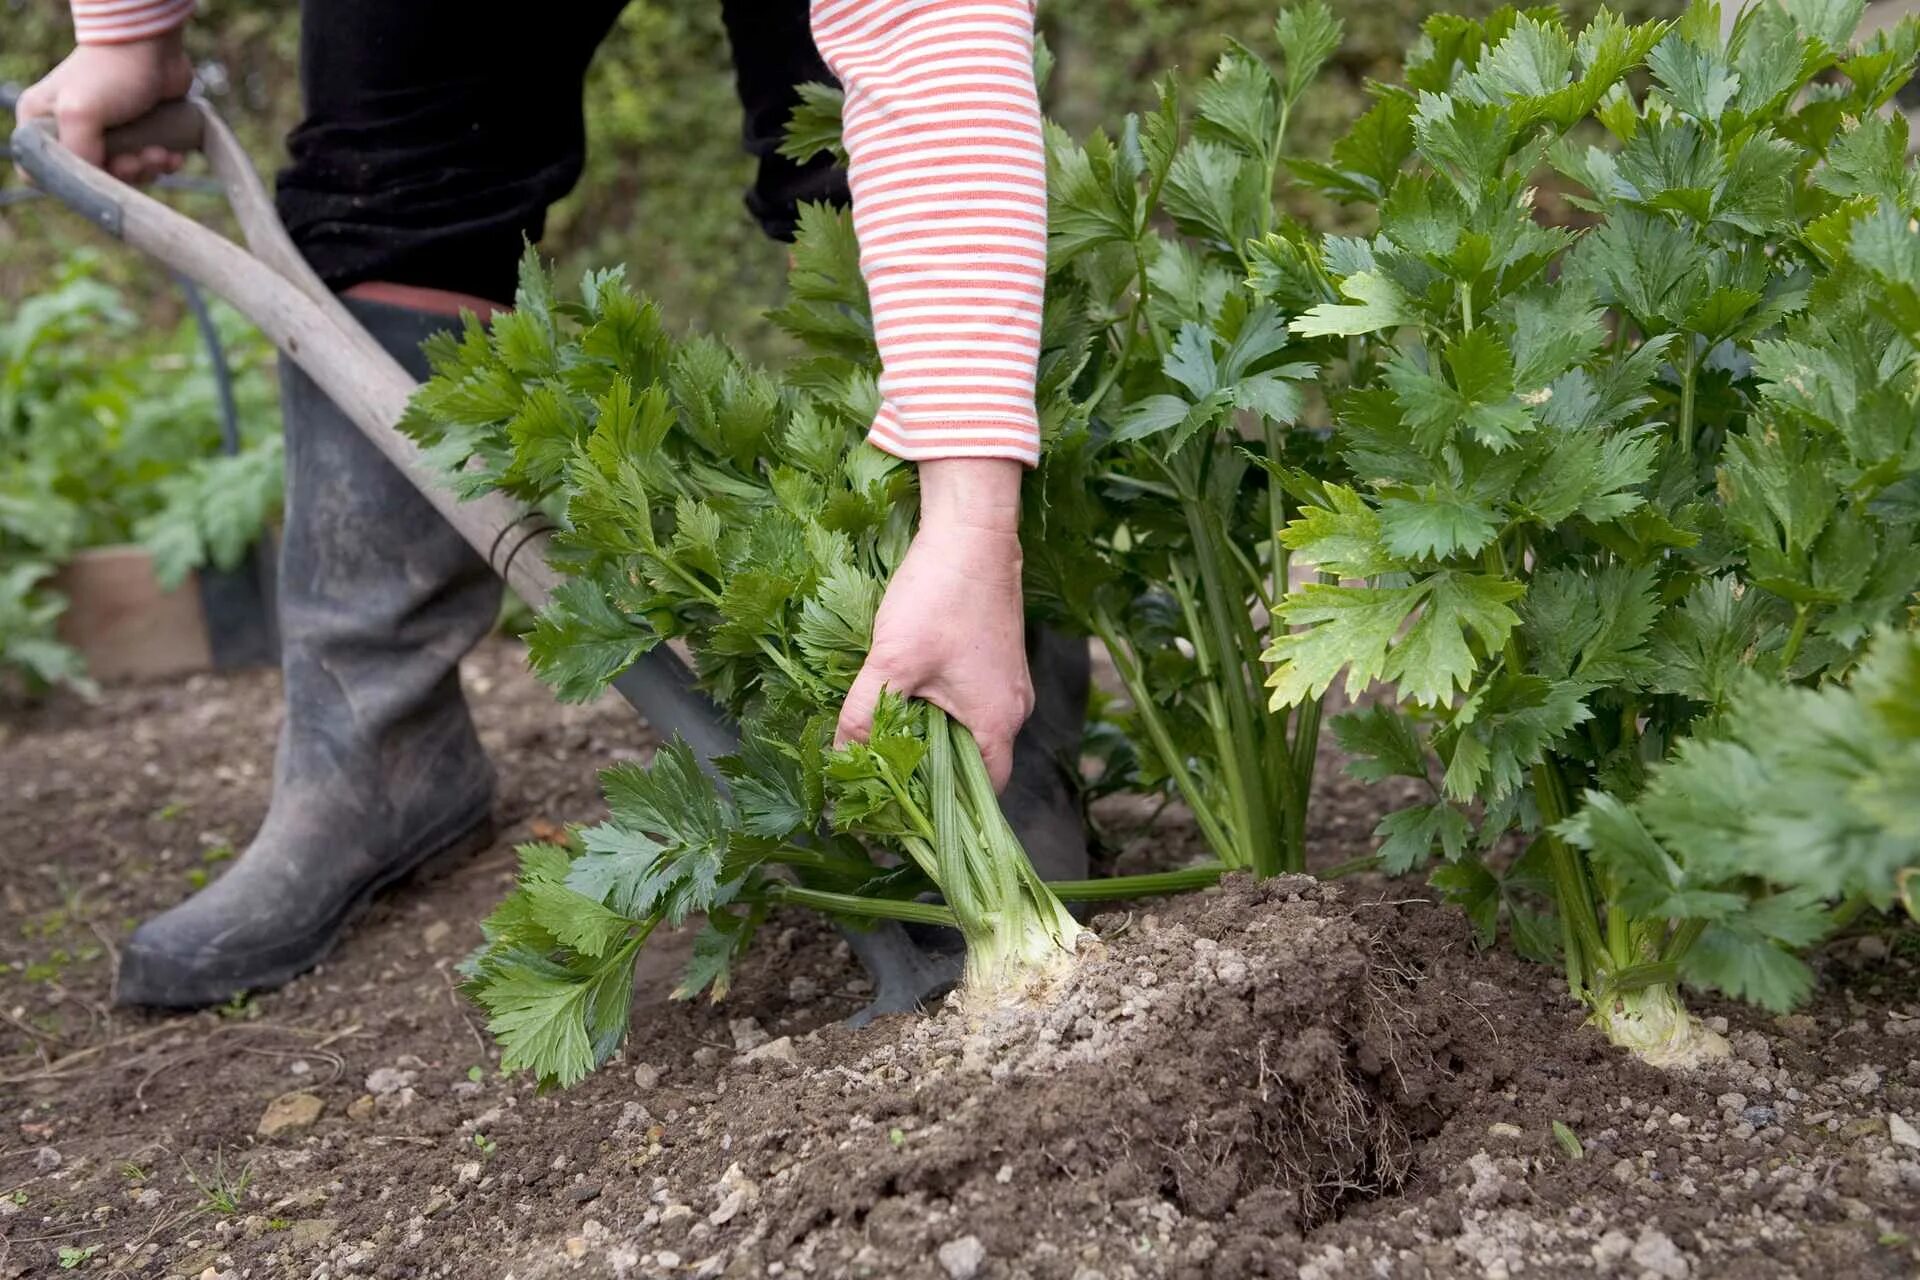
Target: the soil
(1289, 1079)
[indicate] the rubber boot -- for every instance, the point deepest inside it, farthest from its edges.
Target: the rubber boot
(379, 771)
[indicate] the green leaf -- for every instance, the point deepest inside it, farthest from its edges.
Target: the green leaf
(1380, 305)
(1380, 743)
(1433, 658)
(1408, 837)
(581, 641)
(814, 125)
(1308, 35)
(1435, 524)
(1340, 629)
(1343, 538)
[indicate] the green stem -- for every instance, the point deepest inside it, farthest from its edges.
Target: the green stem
(1587, 952)
(1148, 711)
(1687, 377)
(1236, 648)
(1152, 885)
(852, 904)
(1352, 866)
(1802, 615)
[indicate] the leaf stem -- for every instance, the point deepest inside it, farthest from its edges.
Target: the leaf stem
(852, 904)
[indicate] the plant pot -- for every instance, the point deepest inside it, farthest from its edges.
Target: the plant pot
(126, 626)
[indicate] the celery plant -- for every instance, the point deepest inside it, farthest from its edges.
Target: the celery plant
(1157, 527)
(700, 499)
(1608, 478)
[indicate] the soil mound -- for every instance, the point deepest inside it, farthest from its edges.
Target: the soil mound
(1242, 1059)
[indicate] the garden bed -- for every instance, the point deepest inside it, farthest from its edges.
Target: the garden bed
(1280, 1080)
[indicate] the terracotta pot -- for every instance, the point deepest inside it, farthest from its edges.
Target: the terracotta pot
(127, 627)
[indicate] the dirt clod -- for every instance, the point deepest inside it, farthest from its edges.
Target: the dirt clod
(289, 1113)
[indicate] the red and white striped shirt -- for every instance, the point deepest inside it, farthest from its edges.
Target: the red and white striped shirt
(949, 181)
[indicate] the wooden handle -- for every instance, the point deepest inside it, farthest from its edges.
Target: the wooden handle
(275, 288)
(177, 126)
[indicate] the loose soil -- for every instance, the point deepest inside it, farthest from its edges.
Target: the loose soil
(1288, 1079)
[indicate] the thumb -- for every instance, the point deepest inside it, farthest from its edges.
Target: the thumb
(856, 712)
(997, 751)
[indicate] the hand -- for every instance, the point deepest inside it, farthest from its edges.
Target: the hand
(952, 626)
(101, 85)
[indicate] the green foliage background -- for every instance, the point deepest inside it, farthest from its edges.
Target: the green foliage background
(665, 171)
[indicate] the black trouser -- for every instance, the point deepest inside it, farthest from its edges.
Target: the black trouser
(437, 132)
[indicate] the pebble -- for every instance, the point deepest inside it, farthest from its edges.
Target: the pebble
(1655, 1251)
(289, 1113)
(962, 1258)
(1760, 1116)
(1902, 1132)
(386, 1080)
(747, 1034)
(468, 1172)
(46, 1160)
(646, 1076)
(780, 1050)
(1501, 1129)
(585, 1192)
(361, 1108)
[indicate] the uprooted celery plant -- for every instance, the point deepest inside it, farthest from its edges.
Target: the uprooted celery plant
(1609, 478)
(699, 499)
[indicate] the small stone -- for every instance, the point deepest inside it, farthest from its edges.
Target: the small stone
(1004, 1175)
(289, 1113)
(585, 1192)
(1655, 1251)
(962, 1258)
(646, 1077)
(311, 1233)
(386, 1080)
(576, 1246)
(300, 1067)
(801, 988)
(467, 1088)
(747, 1034)
(435, 934)
(1504, 1130)
(780, 1050)
(1489, 1184)
(46, 1160)
(468, 1172)
(730, 1207)
(361, 1108)
(1863, 1081)
(1902, 1132)
(1760, 1116)
(667, 1260)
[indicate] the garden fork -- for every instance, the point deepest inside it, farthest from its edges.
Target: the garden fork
(272, 285)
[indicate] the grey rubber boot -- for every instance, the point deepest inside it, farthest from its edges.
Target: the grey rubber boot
(379, 771)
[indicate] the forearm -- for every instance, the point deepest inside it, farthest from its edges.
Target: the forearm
(948, 171)
(121, 21)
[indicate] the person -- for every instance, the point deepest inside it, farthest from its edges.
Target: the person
(435, 135)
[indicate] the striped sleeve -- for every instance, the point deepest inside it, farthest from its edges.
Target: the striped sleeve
(949, 179)
(118, 21)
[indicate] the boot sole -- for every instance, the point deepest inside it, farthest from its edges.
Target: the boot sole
(161, 981)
